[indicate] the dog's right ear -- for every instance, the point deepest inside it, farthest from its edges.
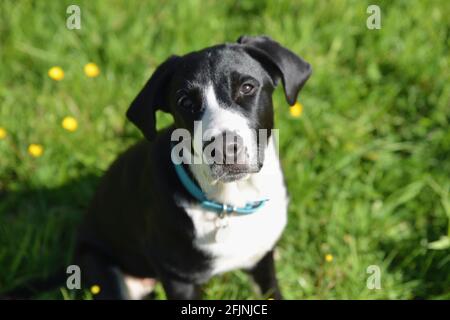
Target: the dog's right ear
(153, 97)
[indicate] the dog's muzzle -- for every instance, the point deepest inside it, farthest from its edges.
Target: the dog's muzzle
(228, 157)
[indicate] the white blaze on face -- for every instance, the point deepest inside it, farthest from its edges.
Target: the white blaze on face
(217, 120)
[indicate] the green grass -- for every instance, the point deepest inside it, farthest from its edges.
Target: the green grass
(367, 164)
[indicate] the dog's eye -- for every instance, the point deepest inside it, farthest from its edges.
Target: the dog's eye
(246, 89)
(185, 102)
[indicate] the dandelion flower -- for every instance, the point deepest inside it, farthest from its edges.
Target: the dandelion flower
(296, 110)
(91, 70)
(3, 133)
(56, 73)
(35, 150)
(329, 257)
(70, 124)
(95, 289)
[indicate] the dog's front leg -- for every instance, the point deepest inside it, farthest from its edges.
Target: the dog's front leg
(99, 271)
(179, 290)
(265, 277)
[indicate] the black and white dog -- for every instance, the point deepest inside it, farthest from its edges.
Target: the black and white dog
(147, 224)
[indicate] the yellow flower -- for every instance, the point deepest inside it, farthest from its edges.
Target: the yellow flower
(3, 133)
(35, 150)
(296, 110)
(329, 257)
(95, 289)
(56, 73)
(69, 123)
(91, 70)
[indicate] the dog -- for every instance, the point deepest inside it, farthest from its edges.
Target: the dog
(181, 224)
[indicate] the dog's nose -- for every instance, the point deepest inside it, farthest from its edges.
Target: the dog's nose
(233, 148)
(225, 148)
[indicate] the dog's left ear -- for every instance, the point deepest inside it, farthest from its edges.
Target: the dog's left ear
(280, 62)
(152, 97)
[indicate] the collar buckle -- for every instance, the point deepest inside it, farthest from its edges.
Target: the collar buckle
(227, 209)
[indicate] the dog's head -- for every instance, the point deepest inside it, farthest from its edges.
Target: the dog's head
(228, 90)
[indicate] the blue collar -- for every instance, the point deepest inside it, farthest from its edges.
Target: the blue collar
(221, 208)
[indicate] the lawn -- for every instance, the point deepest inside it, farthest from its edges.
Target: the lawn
(367, 162)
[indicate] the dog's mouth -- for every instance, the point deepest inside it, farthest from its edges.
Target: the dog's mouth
(232, 172)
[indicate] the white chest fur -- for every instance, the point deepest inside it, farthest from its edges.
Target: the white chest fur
(248, 237)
